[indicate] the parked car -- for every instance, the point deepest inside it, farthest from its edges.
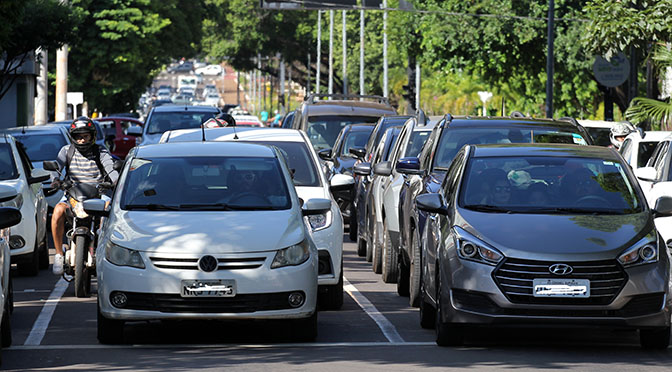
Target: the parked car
(28, 239)
(446, 139)
(639, 145)
(310, 182)
(572, 246)
(247, 121)
(117, 138)
(164, 118)
(323, 119)
(212, 99)
(42, 143)
(240, 248)
(8, 217)
(210, 70)
(182, 68)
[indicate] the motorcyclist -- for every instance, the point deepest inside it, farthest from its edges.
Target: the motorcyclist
(618, 133)
(87, 163)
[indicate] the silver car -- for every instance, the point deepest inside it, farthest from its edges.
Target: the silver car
(553, 235)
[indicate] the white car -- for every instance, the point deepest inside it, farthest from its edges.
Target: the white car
(8, 217)
(206, 230)
(638, 146)
(310, 182)
(211, 70)
(212, 99)
(28, 239)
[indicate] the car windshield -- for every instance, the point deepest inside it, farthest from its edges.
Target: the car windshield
(164, 121)
(323, 130)
(299, 161)
(355, 140)
(600, 135)
(453, 139)
(7, 167)
(415, 143)
(205, 183)
(538, 184)
(41, 147)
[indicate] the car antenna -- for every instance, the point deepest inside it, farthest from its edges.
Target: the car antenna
(203, 131)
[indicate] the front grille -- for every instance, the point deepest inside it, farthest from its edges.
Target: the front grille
(514, 278)
(174, 303)
(239, 263)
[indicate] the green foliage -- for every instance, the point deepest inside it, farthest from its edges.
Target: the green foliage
(659, 113)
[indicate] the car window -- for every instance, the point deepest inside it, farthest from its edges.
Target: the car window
(415, 143)
(41, 147)
(8, 169)
(164, 121)
(202, 183)
(645, 150)
(660, 161)
(108, 127)
(298, 159)
(25, 160)
(390, 144)
(380, 128)
(355, 140)
(323, 130)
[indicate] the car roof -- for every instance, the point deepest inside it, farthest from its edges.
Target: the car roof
(600, 123)
(188, 149)
(470, 121)
(650, 136)
(244, 134)
(348, 108)
(546, 150)
(184, 108)
(51, 128)
(364, 127)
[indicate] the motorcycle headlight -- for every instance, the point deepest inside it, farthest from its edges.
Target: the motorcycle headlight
(121, 256)
(473, 249)
(643, 252)
(78, 208)
(291, 256)
(17, 202)
(319, 221)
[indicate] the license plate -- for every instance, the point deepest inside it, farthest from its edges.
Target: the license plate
(561, 288)
(208, 288)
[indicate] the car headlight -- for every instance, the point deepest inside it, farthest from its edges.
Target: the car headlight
(17, 202)
(319, 221)
(473, 249)
(643, 252)
(291, 256)
(121, 256)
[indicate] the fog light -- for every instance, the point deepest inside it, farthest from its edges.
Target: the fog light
(16, 242)
(118, 299)
(296, 299)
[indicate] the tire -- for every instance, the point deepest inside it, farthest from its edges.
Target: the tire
(304, 330)
(402, 277)
(333, 298)
(370, 243)
(6, 327)
(110, 331)
(377, 251)
(31, 266)
(352, 225)
(44, 254)
(81, 272)
(389, 269)
(361, 247)
(658, 338)
(427, 311)
(414, 270)
(446, 334)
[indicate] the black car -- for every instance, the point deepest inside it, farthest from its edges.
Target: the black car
(427, 171)
(186, 67)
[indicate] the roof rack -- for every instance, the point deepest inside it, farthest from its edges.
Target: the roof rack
(313, 97)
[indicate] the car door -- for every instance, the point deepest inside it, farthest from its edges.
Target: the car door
(124, 142)
(32, 193)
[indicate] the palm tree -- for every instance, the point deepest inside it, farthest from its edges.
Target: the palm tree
(657, 112)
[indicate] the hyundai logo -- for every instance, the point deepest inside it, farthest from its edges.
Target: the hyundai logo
(560, 269)
(208, 264)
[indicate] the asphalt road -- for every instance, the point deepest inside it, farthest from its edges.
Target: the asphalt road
(375, 330)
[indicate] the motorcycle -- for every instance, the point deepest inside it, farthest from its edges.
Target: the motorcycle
(79, 260)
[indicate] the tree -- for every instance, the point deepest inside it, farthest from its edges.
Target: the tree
(642, 109)
(26, 25)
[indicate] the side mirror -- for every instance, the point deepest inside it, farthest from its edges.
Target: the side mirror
(9, 217)
(409, 165)
(324, 154)
(359, 152)
(96, 207)
(7, 193)
(646, 174)
(314, 206)
(432, 203)
(384, 168)
(663, 207)
(362, 169)
(50, 165)
(38, 176)
(341, 182)
(135, 131)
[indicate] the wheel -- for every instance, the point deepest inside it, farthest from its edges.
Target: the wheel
(361, 247)
(402, 277)
(447, 334)
(414, 270)
(333, 298)
(427, 311)
(81, 272)
(377, 250)
(370, 243)
(658, 338)
(110, 331)
(31, 266)
(352, 225)
(5, 327)
(304, 330)
(390, 256)
(44, 254)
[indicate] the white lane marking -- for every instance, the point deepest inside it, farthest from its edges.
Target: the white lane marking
(42, 323)
(222, 346)
(385, 326)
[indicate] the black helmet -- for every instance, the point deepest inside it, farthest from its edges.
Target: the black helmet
(83, 125)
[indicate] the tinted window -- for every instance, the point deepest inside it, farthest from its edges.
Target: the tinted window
(644, 152)
(415, 143)
(203, 183)
(298, 158)
(41, 147)
(390, 144)
(380, 129)
(108, 127)
(600, 136)
(7, 166)
(354, 140)
(323, 130)
(164, 121)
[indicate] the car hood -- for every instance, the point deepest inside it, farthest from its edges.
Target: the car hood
(149, 139)
(207, 232)
(552, 237)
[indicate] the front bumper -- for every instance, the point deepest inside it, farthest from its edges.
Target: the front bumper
(329, 243)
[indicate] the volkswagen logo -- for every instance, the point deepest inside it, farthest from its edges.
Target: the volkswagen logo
(208, 264)
(560, 269)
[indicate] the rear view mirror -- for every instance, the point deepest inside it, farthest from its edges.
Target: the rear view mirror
(324, 154)
(432, 203)
(663, 207)
(646, 174)
(408, 165)
(50, 165)
(96, 207)
(135, 131)
(316, 206)
(38, 176)
(384, 168)
(359, 152)
(7, 193)
(362, 169)
(9, 217)
(341, 182)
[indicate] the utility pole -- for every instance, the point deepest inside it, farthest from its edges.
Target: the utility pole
(331, 52)
(61, 99)
(281, 92)
(549, 61)
(238, 88)
(385, 90)
(361, 51)
(318, 64)
(417, 86)
(345, 59)
(308, 80)
(41, 101)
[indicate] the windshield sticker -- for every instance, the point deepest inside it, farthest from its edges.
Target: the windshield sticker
(608, 163)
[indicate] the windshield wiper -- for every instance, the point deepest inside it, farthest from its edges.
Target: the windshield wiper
(487, 208)
(152, 207)
(212, 206)
(570, 210)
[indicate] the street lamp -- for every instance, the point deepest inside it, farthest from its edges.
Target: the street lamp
(485, 97)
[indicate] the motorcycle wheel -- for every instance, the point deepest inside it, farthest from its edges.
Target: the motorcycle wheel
(81, 272)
